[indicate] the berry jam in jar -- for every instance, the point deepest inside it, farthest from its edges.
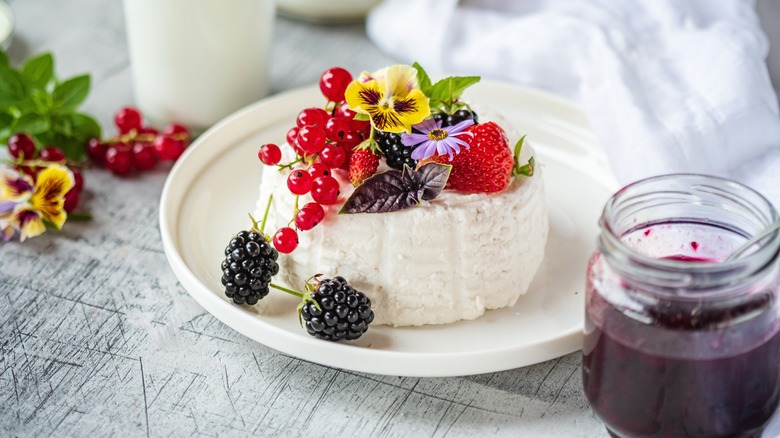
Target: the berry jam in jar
(678, 341)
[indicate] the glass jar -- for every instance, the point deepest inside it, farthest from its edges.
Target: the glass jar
(679, 342)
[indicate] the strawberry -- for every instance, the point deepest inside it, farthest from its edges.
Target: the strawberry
(486, 166)
(362, 164)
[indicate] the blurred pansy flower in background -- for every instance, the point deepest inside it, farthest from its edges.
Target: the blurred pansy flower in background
(28, 207)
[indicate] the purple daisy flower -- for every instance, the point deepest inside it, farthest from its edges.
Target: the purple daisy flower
(433, 139)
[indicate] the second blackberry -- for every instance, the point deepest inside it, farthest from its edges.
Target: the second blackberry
(396, 154)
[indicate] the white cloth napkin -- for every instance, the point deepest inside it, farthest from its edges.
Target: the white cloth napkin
(668, 85)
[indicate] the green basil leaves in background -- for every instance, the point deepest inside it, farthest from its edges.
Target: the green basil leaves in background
(33, 101)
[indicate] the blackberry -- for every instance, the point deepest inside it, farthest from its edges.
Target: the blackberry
(396, 154)
(250, 262)
(456, 117)
(343, 312)
(459, 116)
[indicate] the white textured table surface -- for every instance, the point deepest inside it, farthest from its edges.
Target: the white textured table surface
(98, 338)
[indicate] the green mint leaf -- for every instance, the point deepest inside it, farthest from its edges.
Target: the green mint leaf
(48, 138)
(70, 94)
(460, 83)
(6, 120)
(4, 62)
(39, 71)
(361, 117)
(13, 89)
(84, 127)
(422, 78)
(62, 125)
(40, 101)
(31, 124)
(449, 90)
(73, 148)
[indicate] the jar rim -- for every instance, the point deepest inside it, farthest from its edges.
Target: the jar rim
(678, 274)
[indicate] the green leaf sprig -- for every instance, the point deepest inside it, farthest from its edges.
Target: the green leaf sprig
(445, 94)
(34, 101)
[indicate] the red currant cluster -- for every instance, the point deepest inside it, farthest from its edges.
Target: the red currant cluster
(323, 140)
(136, 146)
(28, 159)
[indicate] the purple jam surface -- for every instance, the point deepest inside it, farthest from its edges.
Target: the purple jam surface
(637, 394)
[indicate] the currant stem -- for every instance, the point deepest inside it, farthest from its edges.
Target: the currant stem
(41, 163)
(79, 217)
(290, 164)
(265, 215)
(284, 289)
(295, 210)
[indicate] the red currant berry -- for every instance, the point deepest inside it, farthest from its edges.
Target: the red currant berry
(332, 156)
(53, 154)
(286, 240)
(299, 182)
(336, 129)
(78, 180)
(311, 139)
(343, 112)
(318, 169)
(292, 134)
(316, 210)
(127, 119)
(269, 154)
(312, 116)
(21, 146)
(361, 128)
(359, 125)
(307, 218)
(144, 156)
(334, 82)
(325, 190)
(71, 200)
(119, 159)
(168, 148)
(352, 139)
(177, 131)
(97, 151)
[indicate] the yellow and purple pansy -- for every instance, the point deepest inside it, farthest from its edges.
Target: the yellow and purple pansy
(391, 97)
(29, 207)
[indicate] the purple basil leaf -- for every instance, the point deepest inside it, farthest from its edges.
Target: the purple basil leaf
(381, 193)
(432, 178)
(396, 190)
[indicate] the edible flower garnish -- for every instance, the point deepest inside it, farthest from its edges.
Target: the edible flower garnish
(391, 97)
(435, 139)
(26, 207)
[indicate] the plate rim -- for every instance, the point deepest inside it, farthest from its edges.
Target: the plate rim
(368, 360)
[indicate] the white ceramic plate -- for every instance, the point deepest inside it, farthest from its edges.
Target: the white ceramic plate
(210, 190)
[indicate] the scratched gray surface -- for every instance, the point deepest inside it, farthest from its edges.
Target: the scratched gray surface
(98, 338)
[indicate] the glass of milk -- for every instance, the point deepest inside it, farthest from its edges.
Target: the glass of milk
(6, 25)
(196, 61)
